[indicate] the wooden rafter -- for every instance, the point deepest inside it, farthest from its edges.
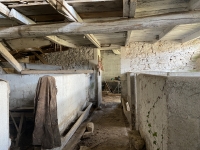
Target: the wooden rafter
(4, 52)
(129, 8)
(72, 15)
(20, 18)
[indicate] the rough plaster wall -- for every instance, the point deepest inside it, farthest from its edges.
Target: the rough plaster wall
(152, 111)
(4, 116)
(161, 56)
(184, 113)
(111, 64)
(74, 58)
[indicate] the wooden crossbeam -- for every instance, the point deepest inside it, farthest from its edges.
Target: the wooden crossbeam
(72, 15)
(162, 21)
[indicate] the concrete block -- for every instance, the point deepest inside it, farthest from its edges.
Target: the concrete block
(90, 127)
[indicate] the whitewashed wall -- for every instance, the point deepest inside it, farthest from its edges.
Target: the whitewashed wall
(73, 92)
(4, 116)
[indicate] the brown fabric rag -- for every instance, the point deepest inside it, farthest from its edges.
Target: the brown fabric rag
(46, 132)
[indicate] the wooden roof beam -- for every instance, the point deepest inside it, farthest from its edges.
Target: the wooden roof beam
(191, 37)
(161, 21)
(72, 15)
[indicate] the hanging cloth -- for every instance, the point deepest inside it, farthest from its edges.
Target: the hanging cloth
(46, 132)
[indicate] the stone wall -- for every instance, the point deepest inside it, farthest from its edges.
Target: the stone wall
(73, 58)
(161, 56)
(111, 64)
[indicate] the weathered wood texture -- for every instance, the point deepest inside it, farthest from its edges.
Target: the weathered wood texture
(56, 71)
(4, 52)
(105, 27)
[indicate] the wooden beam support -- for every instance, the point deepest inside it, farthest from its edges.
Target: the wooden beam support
(128, 37)
(193, 36)
(56, 71)
(161, 21)
(194, 5)
(4, 52)
(70, 12)
(133, 5)
(164, 33)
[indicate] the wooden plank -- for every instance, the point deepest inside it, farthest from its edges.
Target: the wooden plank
(193, 36)
(75, 126)
(128, 37)
(40, 58)
(194, 5)
(4, 52)
(4, 10)
(126, 8)
(41, 66)
(60, 41)
(133, 5)
(56, 71)
(104, 27)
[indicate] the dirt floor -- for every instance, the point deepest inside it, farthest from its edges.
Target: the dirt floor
(110, 127)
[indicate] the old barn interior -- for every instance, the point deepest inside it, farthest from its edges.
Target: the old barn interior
(100, 74)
